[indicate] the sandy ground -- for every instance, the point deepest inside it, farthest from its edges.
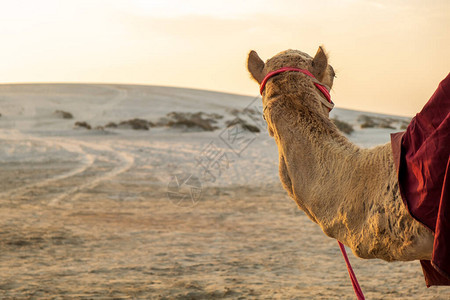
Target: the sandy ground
(103, 226)
(99, 215)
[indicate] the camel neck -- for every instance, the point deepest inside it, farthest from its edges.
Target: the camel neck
(302, 114)
(312, 155)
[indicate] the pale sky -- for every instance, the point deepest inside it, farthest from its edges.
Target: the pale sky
(389, 55)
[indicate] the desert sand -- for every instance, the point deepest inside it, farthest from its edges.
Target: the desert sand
(104, 213)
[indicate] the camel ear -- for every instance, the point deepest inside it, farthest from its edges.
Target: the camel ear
(320, 63)
(255, 66)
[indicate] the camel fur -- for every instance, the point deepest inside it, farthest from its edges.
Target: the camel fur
(352, 193)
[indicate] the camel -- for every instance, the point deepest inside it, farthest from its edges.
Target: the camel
(352, 193)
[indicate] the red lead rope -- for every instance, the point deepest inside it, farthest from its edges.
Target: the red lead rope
(356, 287)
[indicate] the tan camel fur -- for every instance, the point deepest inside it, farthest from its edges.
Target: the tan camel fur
(351, 192)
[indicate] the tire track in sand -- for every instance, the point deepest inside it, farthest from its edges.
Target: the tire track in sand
(125, 160)
(86, 161)
(89, 172)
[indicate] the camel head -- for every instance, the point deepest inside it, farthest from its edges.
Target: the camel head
(317, 65)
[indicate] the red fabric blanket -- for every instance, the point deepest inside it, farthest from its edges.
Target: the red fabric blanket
(422, 155)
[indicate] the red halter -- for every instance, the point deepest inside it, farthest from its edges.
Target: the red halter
(320, 86)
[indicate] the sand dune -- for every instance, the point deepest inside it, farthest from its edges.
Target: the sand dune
(100, 214)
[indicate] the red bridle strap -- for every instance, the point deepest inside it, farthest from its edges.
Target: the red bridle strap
(321, 87)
